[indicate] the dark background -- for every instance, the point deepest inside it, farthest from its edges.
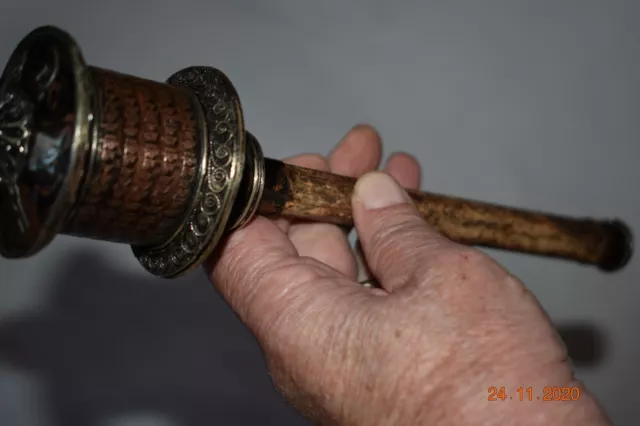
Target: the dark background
(528, 103)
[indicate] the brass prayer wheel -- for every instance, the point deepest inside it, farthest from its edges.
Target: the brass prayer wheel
(170, 169)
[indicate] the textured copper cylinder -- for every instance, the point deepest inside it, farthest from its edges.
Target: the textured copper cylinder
(148, 140)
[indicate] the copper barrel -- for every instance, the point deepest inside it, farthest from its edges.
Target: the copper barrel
(147, 151)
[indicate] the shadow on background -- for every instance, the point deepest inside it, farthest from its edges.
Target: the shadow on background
(110, 344)
(586, 343)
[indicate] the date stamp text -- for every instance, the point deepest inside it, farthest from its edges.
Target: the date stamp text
(549, 393)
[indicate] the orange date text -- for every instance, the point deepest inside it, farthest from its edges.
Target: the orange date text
(549, 393)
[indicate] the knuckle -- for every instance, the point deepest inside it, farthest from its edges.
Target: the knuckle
(392, 235)
(465, 257)
(464, 264)
(461, 270)
(404, 240)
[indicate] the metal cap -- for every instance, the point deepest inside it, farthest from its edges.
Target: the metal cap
(45, 122)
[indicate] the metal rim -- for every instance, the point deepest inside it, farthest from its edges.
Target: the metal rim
(222, 168)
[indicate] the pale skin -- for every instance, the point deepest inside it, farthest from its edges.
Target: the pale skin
(448, 323)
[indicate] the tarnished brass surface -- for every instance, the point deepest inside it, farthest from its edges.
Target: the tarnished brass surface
(170, 169)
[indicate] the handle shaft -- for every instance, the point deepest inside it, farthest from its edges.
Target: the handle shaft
(306, 194)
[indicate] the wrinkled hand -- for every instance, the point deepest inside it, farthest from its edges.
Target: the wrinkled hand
(448, 323)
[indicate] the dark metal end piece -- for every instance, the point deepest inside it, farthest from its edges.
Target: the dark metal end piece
(45, 122)
(620, 247)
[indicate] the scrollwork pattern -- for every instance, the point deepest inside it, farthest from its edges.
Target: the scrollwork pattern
(224, 145)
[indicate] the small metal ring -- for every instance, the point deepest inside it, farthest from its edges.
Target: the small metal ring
(254, 164)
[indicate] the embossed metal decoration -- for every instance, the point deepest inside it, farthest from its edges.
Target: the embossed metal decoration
(170, 169)
(16, 116)
(45, 114)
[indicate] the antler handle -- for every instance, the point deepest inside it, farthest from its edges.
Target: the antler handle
(313, 195)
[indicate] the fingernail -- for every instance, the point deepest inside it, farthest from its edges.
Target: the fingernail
(378, 190)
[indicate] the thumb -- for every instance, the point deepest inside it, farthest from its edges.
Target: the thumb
(396, 241)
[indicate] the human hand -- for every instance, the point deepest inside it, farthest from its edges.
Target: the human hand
(448, 323)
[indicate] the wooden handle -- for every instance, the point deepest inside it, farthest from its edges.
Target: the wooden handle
(305, 194)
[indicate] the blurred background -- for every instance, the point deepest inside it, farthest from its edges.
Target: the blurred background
(528, 103)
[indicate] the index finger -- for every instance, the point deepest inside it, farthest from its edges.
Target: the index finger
(238, 262)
